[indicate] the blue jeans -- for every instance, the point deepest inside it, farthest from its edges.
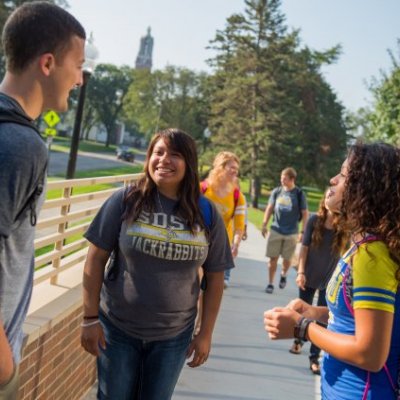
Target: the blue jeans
(136, 369)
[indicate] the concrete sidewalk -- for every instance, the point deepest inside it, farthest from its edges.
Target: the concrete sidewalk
(244, 364)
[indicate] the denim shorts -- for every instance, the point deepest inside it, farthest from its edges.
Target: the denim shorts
(136, 369)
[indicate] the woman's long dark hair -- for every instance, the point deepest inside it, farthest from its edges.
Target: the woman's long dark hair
(141, 197)
(340, 239)
(371, 198)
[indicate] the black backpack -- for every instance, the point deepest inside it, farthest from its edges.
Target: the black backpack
(7, 116)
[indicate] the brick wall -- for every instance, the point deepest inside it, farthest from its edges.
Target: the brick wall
(54, 365)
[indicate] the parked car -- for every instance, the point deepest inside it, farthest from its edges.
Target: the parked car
(123, 153)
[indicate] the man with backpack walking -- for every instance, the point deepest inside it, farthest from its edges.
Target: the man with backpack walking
(288, 205)
(44, 50)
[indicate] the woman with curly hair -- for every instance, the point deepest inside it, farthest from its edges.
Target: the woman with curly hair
(139, 316)
(322, 245)
(362, 339)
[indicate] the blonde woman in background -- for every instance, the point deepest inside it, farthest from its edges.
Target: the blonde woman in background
(221, 188)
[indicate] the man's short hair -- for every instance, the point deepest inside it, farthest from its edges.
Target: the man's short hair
(36, 28)
(290, 172)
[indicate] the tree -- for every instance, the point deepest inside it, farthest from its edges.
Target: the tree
(244, 82)
(320, 131)
(106, 93)
(385, 115)
(269, 94)
(173, 97)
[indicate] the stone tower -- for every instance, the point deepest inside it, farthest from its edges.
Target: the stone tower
(144, 57)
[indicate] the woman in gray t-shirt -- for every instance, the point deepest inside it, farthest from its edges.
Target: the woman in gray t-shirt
(321, 248)
(139, 316)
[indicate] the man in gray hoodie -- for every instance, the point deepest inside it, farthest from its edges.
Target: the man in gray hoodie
(44, 49)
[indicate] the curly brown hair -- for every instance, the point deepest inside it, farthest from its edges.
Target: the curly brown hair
(340, 239)
(142, 195)
(371, 198)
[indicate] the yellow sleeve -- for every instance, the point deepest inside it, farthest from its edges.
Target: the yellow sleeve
(374, 275)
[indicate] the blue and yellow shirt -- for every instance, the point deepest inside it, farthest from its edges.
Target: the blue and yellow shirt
(368, 275)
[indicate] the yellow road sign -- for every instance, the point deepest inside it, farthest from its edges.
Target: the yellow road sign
(50, 132)
(51, 118)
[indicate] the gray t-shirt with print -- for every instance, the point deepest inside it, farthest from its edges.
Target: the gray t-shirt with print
(287, 209)
(321, 260)
(154, 294)
(23, 160)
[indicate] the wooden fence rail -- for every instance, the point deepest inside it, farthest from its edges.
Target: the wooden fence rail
(59, 243)
(54, 365)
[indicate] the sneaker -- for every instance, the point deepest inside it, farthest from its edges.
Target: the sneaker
(282, 282)
(269, 288)
(226, 284)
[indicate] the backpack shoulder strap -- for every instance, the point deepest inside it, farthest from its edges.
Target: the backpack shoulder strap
(206, 211)
(203, 186)
(111, 270)
(299, 196)
(276, 193)
(236, 193)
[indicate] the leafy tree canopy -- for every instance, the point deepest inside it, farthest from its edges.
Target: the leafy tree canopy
(270, 102)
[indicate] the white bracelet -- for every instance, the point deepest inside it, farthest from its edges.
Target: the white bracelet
(86, 324)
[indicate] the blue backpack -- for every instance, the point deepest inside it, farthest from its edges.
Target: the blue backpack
(206, 211)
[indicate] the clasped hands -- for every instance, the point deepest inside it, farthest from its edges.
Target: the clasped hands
(279, 322)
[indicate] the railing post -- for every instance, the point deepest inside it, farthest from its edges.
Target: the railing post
(61, 229)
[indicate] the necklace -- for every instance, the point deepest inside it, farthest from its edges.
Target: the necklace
(170, 234)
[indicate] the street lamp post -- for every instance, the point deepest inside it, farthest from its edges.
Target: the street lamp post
(206, 136)
(91, 54)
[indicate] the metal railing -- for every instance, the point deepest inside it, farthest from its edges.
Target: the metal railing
(59, 242)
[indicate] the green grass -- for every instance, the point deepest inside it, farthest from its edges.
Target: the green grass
(57, 193)
(43, 250)
(71, 239)
(128, 169)
(63, 144)
(50, 247)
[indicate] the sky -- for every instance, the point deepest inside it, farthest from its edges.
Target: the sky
(182, 29)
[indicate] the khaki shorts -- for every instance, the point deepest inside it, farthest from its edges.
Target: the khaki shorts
(281, 245)
(9, 391)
